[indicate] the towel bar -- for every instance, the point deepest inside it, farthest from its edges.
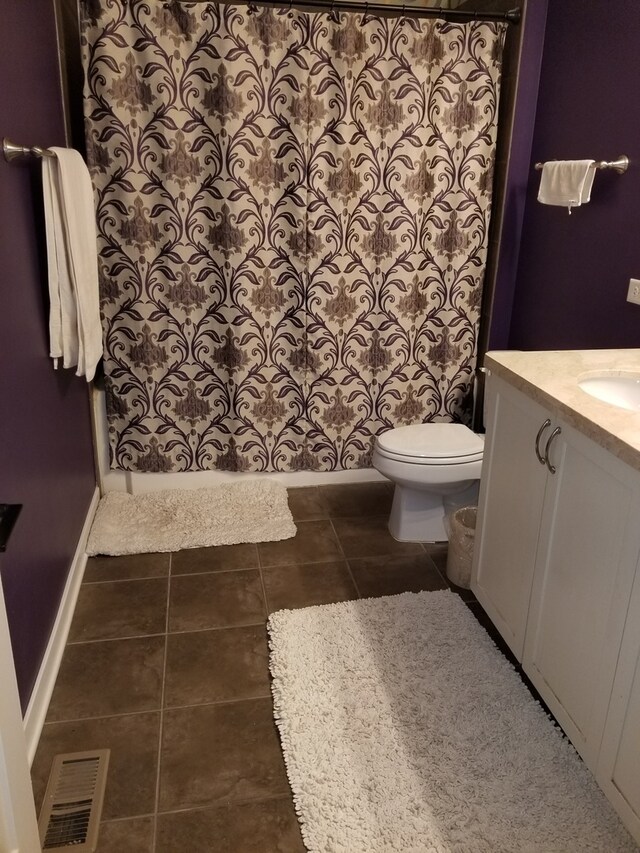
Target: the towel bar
(12, 151)
(620, 165)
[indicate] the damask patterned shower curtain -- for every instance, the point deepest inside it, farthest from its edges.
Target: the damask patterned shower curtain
(292, 212)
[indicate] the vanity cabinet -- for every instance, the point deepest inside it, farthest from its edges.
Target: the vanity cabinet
(557, 547)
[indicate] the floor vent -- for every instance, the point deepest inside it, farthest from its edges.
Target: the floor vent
(72, 805)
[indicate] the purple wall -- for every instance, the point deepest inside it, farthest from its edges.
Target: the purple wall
(46, 460)
(574, 270)
(517, 177)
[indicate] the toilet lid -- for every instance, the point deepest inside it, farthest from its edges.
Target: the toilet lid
(433, 441)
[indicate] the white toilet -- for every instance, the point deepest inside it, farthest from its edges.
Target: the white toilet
(436, 468)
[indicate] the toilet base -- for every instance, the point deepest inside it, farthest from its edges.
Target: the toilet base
(419, 516)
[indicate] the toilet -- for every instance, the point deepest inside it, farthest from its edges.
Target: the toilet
(436, 469)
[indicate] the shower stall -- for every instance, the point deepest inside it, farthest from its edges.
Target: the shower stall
(293, 213)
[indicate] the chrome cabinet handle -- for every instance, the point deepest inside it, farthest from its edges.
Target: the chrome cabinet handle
(554, 434)
(546, 424)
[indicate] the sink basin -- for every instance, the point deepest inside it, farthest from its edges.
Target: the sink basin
(617, 389)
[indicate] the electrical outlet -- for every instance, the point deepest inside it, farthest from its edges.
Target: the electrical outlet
(633, 294)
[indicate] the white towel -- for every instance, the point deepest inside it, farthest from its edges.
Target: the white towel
(63, 323)
(566, 182)
(74, 320)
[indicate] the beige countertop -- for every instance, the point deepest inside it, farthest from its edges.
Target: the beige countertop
(551, 379)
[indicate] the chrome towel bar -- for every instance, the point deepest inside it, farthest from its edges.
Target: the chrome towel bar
(12, 151)
(620, 165)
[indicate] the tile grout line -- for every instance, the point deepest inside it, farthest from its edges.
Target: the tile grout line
(125, 580)
(264, 592)
(346, 559)
(436, 567)
(161, 726)
(128, 638)
(222, 805)
(217, 571)
(226, 804)
(101, 717)
(335, 533)
(176, 575)
(147, 636)
(213, 702)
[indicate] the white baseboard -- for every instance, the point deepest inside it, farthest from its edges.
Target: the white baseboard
(43, 688)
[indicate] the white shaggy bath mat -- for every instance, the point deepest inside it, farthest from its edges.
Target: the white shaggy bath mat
(248, 511)
(404, 729)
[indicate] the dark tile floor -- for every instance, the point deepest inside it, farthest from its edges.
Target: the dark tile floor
(167, 665)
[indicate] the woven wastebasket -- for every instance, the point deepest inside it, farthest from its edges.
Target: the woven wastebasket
(461, 540)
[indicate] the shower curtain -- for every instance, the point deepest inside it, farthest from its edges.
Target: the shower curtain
(292, 217)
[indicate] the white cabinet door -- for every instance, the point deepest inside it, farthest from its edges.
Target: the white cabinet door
(585, 565)
(618, 771)
(509, 511)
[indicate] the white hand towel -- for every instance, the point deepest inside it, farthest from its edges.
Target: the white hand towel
(74, 322)
(566, 182)
(63, 316)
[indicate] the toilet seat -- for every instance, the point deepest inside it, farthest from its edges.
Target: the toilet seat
(431, 444)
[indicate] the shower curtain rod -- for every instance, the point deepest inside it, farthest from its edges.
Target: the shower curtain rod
(513, 16)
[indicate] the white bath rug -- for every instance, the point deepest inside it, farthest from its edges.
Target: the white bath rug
(404, 729)
(248, 511)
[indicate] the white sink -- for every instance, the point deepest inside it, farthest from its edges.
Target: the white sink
(617, 389)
